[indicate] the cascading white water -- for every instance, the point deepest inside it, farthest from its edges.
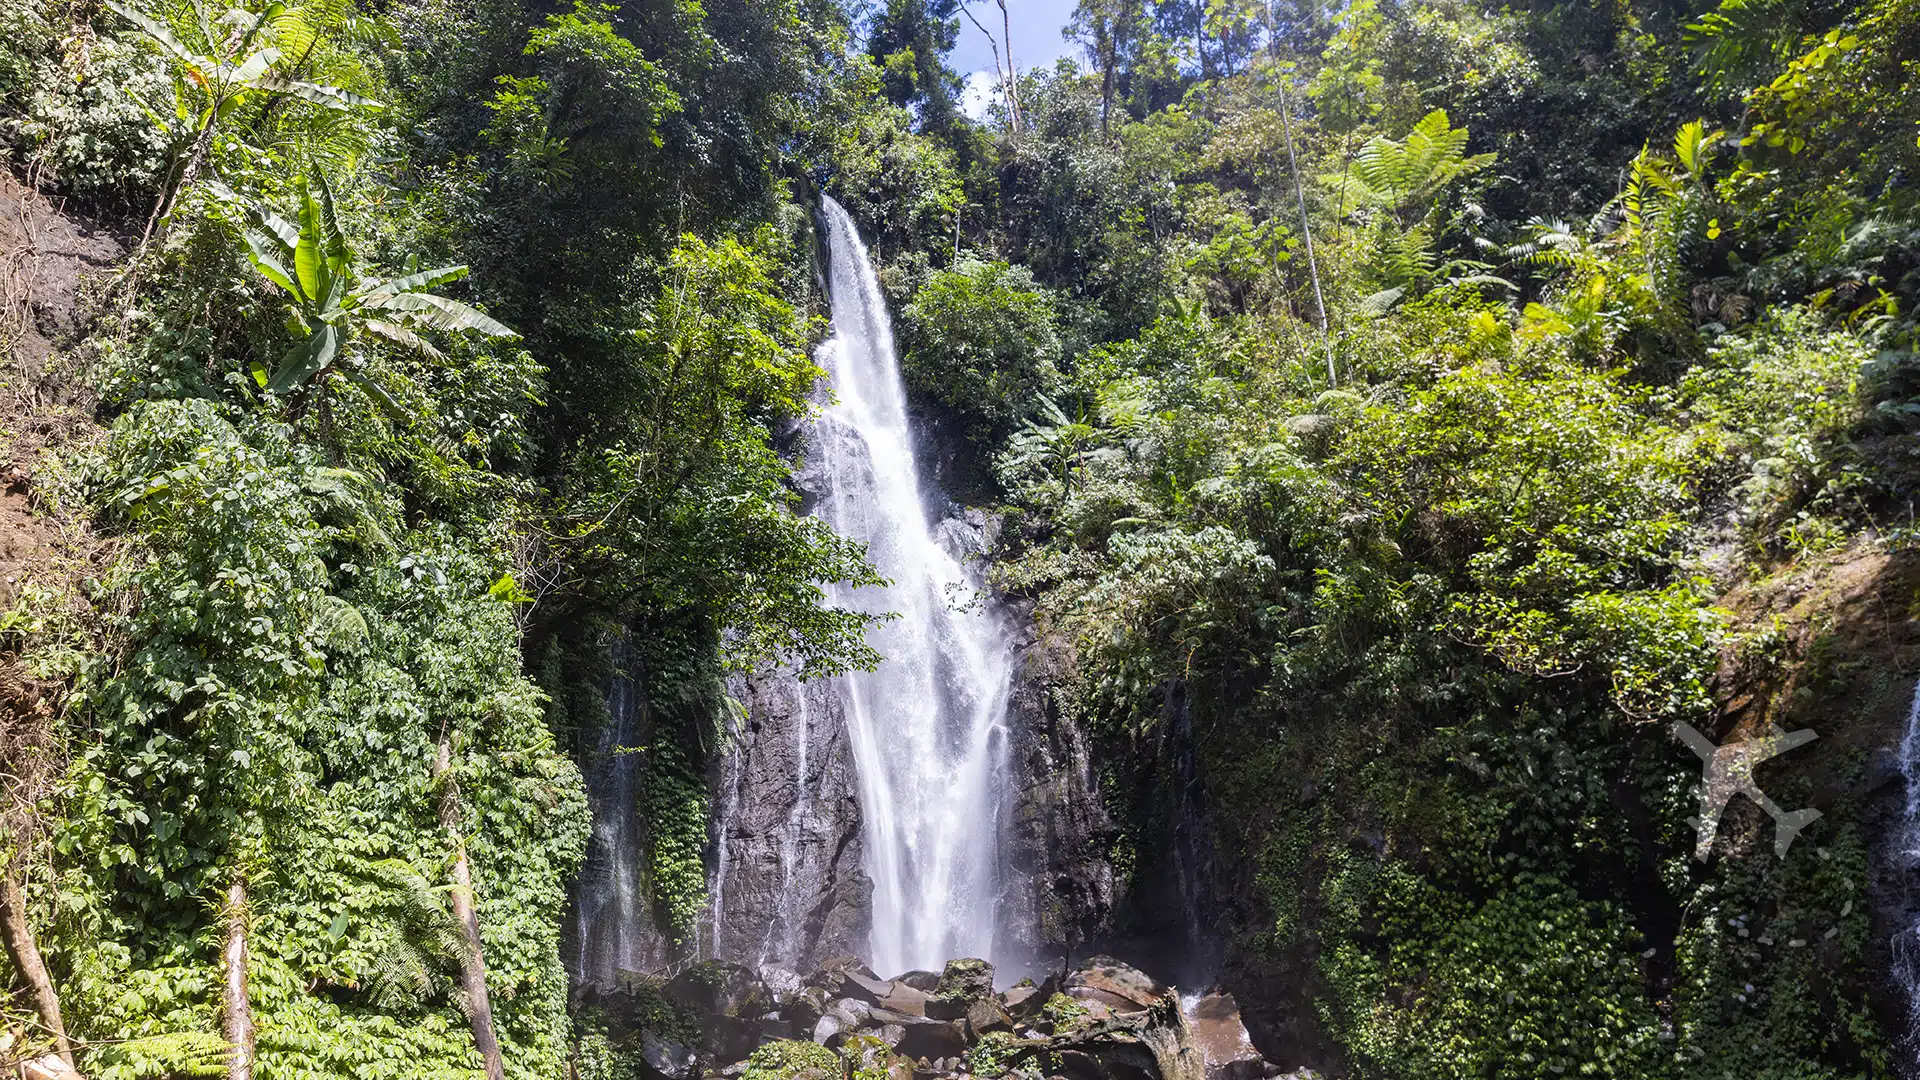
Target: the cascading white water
(928, 725)
(611, 925)
(1906, 943)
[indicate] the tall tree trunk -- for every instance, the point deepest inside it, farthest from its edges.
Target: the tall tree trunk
(473, 966)
(18, 935)
(1300, 193)
(1106, 93)
(237, 1019)
(1013, 73)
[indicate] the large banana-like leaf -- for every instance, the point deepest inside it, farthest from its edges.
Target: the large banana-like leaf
(159, 32)
(424, 279)
(264, 260)
(282, 229)
(441, 313)
(253, 67)
(339, 257)
(328, 97)
(306, 359)
(401, 336)
(309, 255)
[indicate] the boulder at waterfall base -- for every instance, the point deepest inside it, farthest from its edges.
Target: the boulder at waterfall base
(1105, 1020)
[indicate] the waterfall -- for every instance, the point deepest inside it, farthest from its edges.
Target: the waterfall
(612, 929)
(1906, 942)
(928, 725)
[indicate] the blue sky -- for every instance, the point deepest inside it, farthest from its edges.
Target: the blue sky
(1036, 34)
(1037, 43)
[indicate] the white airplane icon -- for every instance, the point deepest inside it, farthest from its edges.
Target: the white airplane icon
(1729, 771)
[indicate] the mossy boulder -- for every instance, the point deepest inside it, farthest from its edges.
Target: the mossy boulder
(792, 1059)
(964, 982)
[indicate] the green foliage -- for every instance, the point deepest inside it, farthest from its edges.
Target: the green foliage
(1535, 979)
(1406, 175)
(313, 265)
(682, 514)
(980, 339)
(908, 41)
(1422, 631)
(280, 712)
(792, 1059)
(1784, 395)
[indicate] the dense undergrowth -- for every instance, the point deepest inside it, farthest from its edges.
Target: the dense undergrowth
(1392, 412)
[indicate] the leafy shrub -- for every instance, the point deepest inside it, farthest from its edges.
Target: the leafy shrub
(789, 1059)
(980, 339)
(91, 124)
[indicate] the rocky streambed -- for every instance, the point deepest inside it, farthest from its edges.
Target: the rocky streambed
(1102, 1020)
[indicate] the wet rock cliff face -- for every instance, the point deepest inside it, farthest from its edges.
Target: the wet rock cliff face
(1060, 885)
(787, 888)
(786, 885)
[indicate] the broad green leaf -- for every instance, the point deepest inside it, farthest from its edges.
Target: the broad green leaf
(507, 590)
(264, 261)
(444, 314)
(309, 256)
(402, 336)
(159, 32)
(330, 97)
(306, 359)
(413, 282)
(282, 229)
(335, 244)
(254, 67)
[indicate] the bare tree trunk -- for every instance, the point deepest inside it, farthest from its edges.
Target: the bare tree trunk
(1013, 73)
(1004, 74)
(237, 1019)
(26, 959)
(1106, 92)
(1300, 192)
(473, 966)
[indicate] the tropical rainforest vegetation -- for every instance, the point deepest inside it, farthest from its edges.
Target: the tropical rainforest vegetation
(1416, 402)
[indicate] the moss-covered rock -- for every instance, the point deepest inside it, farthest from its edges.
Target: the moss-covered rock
(792, 1059)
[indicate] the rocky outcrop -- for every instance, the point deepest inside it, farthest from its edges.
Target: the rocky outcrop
(1060, 886)
(1112, 1022)
(787, 887)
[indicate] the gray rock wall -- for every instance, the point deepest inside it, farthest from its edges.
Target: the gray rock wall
(1060, 885)
(786, 887)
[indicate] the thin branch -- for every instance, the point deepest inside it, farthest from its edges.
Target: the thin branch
(1300, 192)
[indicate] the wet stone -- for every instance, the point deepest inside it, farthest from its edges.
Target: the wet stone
(964, 982)
(1120, 986)
(1222, 1039)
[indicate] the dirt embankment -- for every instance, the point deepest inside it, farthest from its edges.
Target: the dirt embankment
(1832, 643)
(54, 265)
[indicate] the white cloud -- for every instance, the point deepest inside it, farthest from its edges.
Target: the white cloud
(979, 92)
